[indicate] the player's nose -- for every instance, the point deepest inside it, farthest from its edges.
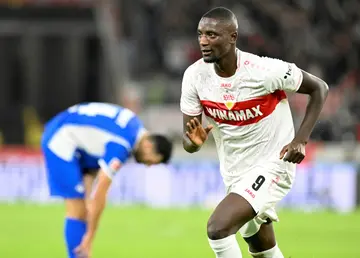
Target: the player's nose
(203, 40)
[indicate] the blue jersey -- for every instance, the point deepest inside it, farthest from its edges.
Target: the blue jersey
(94, 133)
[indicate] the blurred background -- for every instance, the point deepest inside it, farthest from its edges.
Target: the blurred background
(56, 53)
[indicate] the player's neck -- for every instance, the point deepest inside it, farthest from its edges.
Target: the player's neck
(227, 65)
(140, 139)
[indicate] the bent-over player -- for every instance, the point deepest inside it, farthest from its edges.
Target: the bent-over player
(88, 140)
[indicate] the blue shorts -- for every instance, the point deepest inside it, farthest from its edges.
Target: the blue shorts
(65, 178)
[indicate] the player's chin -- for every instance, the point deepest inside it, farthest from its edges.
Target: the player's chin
(209, 59)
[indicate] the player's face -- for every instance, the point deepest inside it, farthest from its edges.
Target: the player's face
(146, 153)
(215, 40)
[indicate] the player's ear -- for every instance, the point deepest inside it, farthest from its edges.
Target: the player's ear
(233, 37)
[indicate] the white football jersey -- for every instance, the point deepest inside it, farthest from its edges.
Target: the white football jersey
(249, 110)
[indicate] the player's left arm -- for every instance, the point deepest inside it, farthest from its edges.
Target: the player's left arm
(98, 201)
(288, 77)
(318, 90)
(96, 207)
(115, 156)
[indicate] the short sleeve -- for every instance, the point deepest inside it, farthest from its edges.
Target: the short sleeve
(134, 131)
(282, 76)
(113, 151)
(189, 102)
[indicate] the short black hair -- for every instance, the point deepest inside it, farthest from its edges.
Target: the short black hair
(220, 13)
(163, 146)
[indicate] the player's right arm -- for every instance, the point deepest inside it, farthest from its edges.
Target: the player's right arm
(194, 135)
(188, 145)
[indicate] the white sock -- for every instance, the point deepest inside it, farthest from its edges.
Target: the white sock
(271, 253)
(226, 247)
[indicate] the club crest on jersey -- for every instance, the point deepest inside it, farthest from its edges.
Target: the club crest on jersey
(229, 100)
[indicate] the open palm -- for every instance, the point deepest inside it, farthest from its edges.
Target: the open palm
(196, 132)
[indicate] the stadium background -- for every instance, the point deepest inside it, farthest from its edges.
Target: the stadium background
(54, 53)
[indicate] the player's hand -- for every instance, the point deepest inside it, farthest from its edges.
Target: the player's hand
(84, 249)
(293, 152)
(196, 132)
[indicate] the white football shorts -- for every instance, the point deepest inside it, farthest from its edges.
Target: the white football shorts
(263, 187)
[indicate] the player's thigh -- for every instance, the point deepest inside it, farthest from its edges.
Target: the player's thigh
(263, 240)
(231, 213)
(65, 180)
(77, 207)
(89, 176)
